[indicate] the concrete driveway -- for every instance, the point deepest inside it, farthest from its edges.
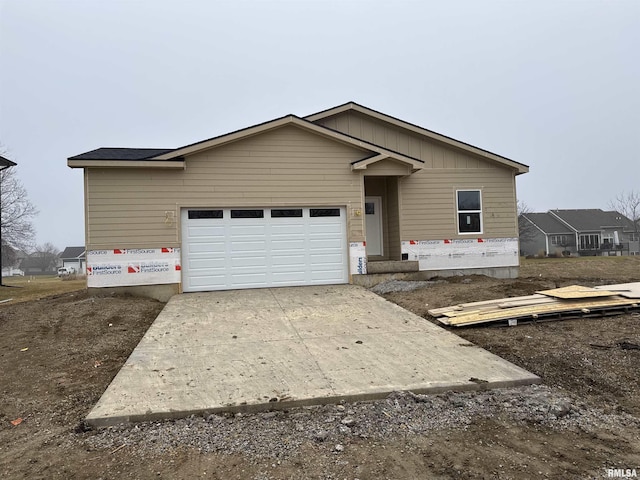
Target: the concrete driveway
(247, 350)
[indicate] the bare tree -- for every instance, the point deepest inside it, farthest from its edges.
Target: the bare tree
(9, 255)
(16, 212)
(526, 230)
(628, 204)
(46, 256)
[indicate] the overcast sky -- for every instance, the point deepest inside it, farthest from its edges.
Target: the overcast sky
(549, 83)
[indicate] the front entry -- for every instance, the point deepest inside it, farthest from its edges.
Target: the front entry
(373, 220)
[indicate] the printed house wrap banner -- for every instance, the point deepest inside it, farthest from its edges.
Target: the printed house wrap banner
(463, 253)
(133, 266)
(357, 258)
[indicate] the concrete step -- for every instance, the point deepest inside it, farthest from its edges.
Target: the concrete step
(392, 266)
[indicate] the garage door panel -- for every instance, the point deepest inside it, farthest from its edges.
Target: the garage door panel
(287, 245)
(325, 229)
(247, 247)
(206, 248)
(288, 261)
(329, 258)
(285, 278)
(249, 230)
(325, 244)
(206, 231)
(249, 280)
(211, 281)
(229, 253)
(281, 228)
(206, 263)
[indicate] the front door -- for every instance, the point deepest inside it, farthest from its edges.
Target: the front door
(373, 221)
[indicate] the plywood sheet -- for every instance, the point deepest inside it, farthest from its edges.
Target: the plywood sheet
(560, 307)
(574, 300)
(461, 307)
(629, 290)
(576, 292)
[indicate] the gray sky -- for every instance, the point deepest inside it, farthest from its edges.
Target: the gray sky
(550, 83)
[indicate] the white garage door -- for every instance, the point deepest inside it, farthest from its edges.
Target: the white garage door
(226, 248)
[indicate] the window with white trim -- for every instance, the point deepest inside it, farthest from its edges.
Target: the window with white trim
(469, 203)
(589, 241)
(559, 240)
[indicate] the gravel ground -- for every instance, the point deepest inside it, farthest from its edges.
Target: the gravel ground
(402, 286)
(279, 434)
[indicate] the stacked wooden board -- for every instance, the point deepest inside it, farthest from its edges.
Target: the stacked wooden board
(566, 302)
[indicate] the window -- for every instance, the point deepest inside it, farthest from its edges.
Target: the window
(369, 208)
(325, 212)
(196, 214)
(469, 211)
(247, 213)
(560, 240)
(589, 242)
(284, 213)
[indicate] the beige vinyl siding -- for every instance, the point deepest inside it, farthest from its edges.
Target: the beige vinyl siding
(284, 167)
(429, 203)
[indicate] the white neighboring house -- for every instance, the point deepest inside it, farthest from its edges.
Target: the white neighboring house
(74, 259)
(12, 271)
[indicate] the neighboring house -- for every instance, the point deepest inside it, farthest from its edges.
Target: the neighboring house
(11, 272)
(74, 258)
(580, 232)
(297, 201)
(545, 234)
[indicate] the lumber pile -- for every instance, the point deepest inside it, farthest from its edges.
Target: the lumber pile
(566, 302)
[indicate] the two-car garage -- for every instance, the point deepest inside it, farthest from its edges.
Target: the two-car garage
(233, 248)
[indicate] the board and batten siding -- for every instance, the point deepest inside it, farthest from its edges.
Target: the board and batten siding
(427, 197)
(408, 143)
(128, 208)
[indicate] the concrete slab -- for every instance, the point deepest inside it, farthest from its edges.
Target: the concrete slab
(250, 350)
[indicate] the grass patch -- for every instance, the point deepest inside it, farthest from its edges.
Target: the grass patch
(22, 289)
(625, 268)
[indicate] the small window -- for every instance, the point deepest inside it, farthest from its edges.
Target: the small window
(469, 211)
(286, 213)
(325, 212)
(196, 214)
(369, 208)
(247, 213)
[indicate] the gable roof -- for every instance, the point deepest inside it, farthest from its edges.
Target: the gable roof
(291, 120)
(352, 106)
(72, 252)
(547, 223)
(5, 162)
(593, 219)
(174, 158)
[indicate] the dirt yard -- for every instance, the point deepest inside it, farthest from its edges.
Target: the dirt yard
(58, 354)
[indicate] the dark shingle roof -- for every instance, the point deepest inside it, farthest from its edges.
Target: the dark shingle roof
(72, 252)
(5, 162)
(547, 223)
(593, 219)
(121, 154)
